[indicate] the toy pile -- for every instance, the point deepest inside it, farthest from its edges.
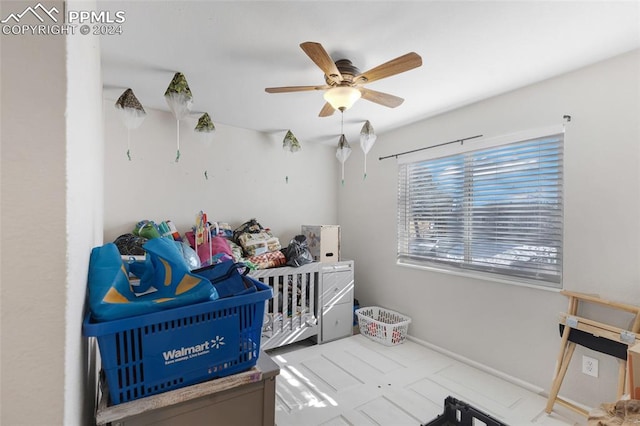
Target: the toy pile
(209, 243)
(154, 267)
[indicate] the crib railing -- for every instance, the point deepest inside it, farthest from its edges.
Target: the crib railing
(291, 315)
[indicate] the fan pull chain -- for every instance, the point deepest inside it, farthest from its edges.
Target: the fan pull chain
(342, 133)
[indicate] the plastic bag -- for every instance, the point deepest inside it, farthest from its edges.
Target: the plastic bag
(189, 255)
(297, 253)
(207, 251)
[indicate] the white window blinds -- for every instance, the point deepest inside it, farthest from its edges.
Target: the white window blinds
(496, 211)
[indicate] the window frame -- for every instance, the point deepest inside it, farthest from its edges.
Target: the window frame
(404, 259)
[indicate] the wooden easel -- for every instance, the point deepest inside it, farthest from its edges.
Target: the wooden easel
(595, 335)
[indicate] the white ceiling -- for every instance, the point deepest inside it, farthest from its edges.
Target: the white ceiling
(230, 51)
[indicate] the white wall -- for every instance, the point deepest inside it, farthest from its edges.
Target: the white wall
(51, 217)
(246, 171)
(509, 328)
(33, 261)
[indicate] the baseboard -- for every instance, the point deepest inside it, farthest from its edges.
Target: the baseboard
(489, 370)
(523, 384)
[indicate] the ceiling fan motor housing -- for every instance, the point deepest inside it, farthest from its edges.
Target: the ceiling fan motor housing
(348, 71)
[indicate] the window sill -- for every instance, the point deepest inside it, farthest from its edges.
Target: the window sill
(481, 276)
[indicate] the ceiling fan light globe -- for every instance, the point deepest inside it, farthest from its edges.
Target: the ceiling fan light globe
(342, 97)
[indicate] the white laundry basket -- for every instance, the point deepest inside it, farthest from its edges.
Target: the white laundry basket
(383, 325)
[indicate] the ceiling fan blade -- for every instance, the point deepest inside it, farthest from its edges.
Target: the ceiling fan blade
(326, 110)
(395, 66)
(294, 89)
(385, 99)
(321, 58)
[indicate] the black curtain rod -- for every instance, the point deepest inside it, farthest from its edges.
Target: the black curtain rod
(461, 141)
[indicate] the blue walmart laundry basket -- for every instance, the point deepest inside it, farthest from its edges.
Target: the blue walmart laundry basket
(149, 354)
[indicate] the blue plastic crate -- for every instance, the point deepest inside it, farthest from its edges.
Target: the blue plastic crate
(162, 351)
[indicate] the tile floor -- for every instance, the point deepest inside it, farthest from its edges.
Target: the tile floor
(356, 381)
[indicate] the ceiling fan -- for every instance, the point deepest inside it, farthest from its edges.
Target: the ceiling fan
(344, 82)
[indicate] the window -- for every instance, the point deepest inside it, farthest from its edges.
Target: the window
(495, 211)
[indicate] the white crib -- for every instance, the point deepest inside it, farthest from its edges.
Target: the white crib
(291, 315)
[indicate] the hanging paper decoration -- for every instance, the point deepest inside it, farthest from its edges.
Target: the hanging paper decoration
(205, 128)
(205, 124)
(290, 143)
(132, 114)
(179, 98)
(343, 152)
(367, 139)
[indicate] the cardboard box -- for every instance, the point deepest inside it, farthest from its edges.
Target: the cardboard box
(633, 355)
(323, 242)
